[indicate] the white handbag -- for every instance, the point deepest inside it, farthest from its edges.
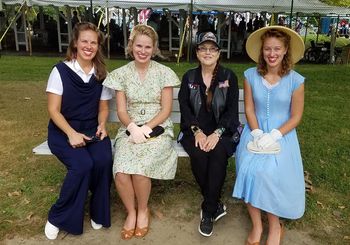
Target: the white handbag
(273, 149)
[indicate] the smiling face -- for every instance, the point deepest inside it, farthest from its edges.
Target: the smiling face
(208, 54)
(142, 49)
(86, 45)
(273, 52)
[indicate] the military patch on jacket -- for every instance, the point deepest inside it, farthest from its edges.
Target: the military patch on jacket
(193, 86)
(224, 84)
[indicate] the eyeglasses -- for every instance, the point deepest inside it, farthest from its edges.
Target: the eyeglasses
(204, 50)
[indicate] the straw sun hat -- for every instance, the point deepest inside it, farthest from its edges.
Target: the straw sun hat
(253, 45)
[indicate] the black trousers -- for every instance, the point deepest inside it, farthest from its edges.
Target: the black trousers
(209, 170)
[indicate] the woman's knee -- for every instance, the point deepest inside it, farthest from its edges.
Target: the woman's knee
(140, 178)
(122, 179)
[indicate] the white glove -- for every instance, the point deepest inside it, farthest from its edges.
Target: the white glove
(256, 133)
(136, 134)
(268, 139)
(146, 130)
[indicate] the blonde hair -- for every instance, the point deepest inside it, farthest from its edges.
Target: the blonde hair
(287, 64)
(142, 29)
(98, 60)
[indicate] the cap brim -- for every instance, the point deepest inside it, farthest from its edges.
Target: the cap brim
(297, 46)
(211, 41)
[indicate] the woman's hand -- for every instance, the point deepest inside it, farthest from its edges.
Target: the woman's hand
(76, 139)
(200, 139)
(211, 142)
(101, 131)
(136, 134)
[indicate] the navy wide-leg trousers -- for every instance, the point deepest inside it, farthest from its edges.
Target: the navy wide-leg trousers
(88, 168)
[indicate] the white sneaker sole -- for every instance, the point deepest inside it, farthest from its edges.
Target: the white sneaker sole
(51, 231)
(204, 234)
(221, 215)
(95, 226)
(217, 218)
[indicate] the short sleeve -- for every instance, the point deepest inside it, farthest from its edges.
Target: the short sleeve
(170, 79)
(54, 84)
(249, 75)
(106, 94)
(115, 80)
(297, 80)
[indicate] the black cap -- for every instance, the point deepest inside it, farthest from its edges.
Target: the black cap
(207, 37)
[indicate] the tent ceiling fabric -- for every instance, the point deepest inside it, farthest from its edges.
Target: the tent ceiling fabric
(272, 6)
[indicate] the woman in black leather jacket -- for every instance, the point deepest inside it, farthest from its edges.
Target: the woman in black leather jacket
(208, 100)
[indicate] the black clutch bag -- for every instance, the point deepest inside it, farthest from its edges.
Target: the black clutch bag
(156, 131)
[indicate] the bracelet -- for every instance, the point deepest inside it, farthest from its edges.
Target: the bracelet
(197, 132)
(219, 132)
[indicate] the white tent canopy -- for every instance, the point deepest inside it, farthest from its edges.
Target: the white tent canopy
(170, 4)
(272, 6)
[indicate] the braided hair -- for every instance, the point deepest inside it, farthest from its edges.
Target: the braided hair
(212, 87)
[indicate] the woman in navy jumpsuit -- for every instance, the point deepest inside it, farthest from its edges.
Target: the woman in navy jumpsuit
(78, 110)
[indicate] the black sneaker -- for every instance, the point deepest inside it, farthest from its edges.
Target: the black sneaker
(220, 212)
(206, 225)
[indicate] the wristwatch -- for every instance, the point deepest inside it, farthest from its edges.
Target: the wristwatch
(219, 131)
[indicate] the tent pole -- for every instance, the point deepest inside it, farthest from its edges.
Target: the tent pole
(291, 14)
(108, 33)
(229, 37)
(28, 30)
(318, 28)
(69, 22)
(307, 25)
(189, 47)
(125, 34)
(91, 12)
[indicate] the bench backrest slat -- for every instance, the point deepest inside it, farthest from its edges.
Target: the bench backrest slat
(175, 113)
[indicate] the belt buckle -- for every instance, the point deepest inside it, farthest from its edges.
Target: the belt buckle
(143, 112)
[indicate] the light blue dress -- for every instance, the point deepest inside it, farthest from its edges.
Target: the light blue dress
(273, 183)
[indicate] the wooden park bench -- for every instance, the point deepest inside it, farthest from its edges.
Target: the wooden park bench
(43, 148)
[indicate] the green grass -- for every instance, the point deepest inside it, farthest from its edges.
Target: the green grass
(29, 184)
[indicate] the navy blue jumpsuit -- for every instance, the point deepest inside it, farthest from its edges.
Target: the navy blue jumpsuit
(89, 167)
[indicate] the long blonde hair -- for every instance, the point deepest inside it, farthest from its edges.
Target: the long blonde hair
(98, 60)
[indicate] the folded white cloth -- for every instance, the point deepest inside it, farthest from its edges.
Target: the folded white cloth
(273, 149)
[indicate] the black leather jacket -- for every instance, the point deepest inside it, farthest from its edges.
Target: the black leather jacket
(224, 103)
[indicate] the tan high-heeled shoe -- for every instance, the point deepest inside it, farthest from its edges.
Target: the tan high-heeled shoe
(254, 243)
(142, 232)
(127, 234)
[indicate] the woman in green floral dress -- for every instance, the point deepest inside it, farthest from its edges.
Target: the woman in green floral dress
(144, 90)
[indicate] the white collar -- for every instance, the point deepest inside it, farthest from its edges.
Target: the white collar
(269, 85)
(76, 66)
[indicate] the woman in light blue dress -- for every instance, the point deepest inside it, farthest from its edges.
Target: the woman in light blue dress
(268, 161)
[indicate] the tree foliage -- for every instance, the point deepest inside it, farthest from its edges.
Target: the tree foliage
(343, 3)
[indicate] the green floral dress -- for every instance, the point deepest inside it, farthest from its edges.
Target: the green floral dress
(156, 158)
